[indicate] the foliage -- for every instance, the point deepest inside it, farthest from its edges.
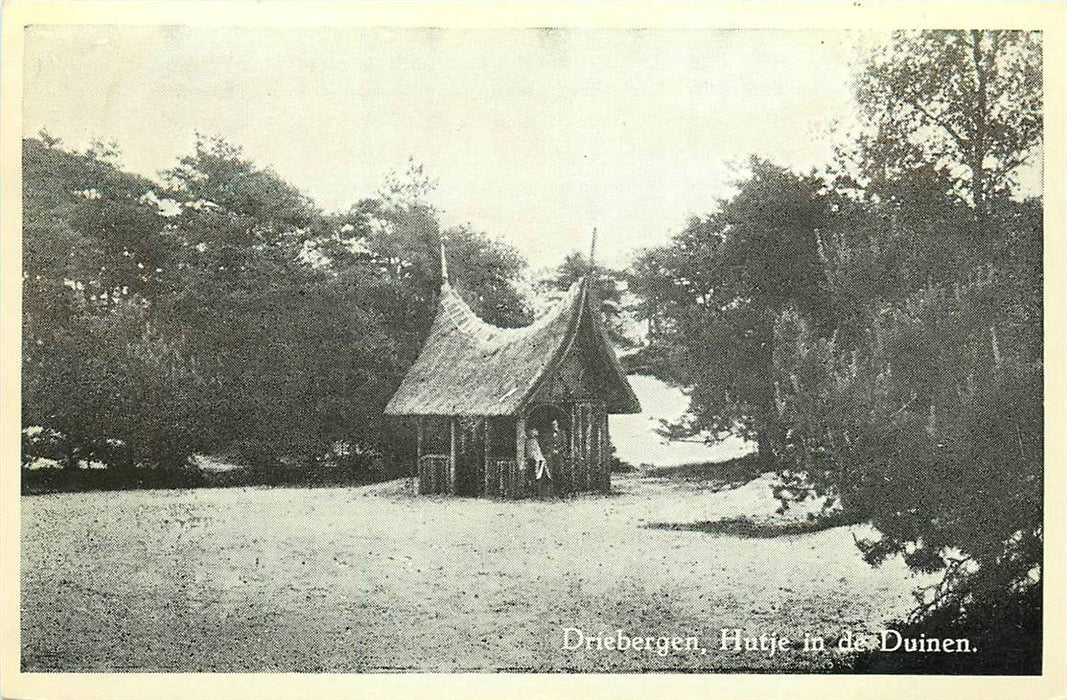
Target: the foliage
(923, 411)
(1003, 626)
(894, 314)
(222, 311)
(96, 253)
(714, 293)
(917, 429)
(967, 102)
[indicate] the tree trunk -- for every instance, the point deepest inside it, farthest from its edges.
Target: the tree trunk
(766, 416)
(765, 447)
(71, 461)
(978, 146)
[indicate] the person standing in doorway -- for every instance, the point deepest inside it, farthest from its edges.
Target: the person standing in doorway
(535, 456)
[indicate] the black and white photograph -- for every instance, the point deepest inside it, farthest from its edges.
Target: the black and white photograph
(381, 349)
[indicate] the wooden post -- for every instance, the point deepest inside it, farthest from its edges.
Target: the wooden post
(519, 477)
(418, 486)
(594, 448)
(587, 439)
(605, 450)
(594, 453)
(587, 443)
(488, 435)
(453, 424)
(583, 447)
(576, 452)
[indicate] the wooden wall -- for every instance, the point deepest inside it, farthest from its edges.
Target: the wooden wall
(444, 452)
(590, 451)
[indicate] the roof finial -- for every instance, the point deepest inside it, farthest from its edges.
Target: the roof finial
(444, 263)
(592, 252)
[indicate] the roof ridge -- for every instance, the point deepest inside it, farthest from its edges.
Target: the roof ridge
(463, 318)
(470, 367)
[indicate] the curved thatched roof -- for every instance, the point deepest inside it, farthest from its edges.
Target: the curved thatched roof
(470, 367)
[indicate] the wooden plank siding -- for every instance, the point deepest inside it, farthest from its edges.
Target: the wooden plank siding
(452, 448)
(518, 473)
(487, 436)
(433, 474)
(418, 454)
(491, 453)
(605, 452)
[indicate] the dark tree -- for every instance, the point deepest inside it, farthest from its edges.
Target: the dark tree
(714, 294)
(99, 383)
(923, 411)
(965, 102)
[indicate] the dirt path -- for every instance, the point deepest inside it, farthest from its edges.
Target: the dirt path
(372, 578)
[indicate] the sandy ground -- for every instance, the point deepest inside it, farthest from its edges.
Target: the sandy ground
(373, 578)
(637, 442)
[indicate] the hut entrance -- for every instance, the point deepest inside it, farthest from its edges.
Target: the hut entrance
(574, 440)
(552, 423)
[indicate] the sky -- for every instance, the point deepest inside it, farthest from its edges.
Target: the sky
(533, 135)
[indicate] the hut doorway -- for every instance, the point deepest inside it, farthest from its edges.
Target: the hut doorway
(553, 425)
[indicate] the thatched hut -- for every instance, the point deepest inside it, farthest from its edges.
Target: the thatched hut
(489, 403)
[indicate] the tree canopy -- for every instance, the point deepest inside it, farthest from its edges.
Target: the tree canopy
(715, 291)
(221, 310)
(878, 330)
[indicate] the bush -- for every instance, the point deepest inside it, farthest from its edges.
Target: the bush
(1005, 630)
(931, 429)
(35, 481)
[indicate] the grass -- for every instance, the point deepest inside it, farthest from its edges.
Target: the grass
(733, 474)
(751, 528)
(219, 474)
